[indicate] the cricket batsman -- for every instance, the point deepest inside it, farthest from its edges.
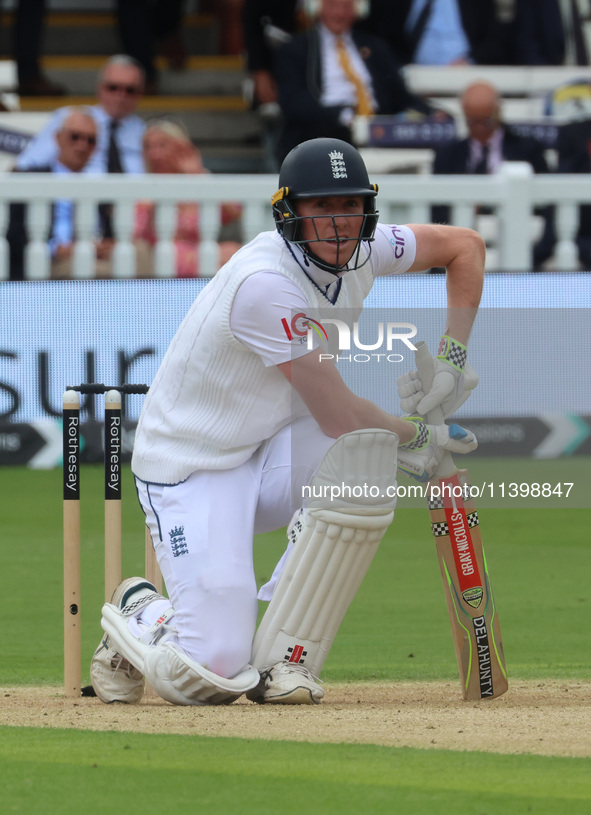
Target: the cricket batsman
(242, 415)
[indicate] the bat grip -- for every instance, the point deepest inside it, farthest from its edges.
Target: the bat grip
(426, 371)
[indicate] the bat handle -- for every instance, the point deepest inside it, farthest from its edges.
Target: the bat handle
(426, 371)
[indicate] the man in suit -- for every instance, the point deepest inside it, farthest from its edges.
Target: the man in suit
(75, 143)
(120, 131)
(539, 33)
(27, 42)
(441, 32)
(574, 156)
(265, 23)
(331, 72)
(148, 26)
(489, 143)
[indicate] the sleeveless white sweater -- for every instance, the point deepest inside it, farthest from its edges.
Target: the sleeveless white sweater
(213, 401)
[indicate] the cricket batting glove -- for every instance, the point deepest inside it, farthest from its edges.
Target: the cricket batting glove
(453, 382)
(420, 457)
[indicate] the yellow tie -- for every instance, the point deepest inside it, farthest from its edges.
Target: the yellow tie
(364, 103)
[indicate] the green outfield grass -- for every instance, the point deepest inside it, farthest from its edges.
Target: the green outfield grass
(397, 628)
(69, 772)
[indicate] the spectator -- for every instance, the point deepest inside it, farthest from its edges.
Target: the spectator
(489, 143)
(229, 15)
(145, 24)
(168, 149)
(119, 146)
(75, 143)
(441, 32)
(168, 26)
(266, 26)
(27, 40)
(574, 156)
(539, 37)
(331, 72)
(119, 131)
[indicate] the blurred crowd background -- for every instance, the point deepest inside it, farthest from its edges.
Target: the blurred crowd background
(230, 86)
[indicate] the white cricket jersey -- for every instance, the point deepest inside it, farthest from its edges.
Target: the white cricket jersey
(218, 393)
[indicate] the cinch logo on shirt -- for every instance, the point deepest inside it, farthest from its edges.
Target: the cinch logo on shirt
(397, 241)
(300, 325)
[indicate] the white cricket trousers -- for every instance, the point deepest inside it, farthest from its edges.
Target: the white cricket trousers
(203, 530)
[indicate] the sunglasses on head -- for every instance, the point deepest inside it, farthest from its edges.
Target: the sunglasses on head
(130, 90)
(74, 135)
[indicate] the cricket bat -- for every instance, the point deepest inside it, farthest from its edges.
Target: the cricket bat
(470, 601)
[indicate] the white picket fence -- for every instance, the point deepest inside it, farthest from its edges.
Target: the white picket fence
(514, 192)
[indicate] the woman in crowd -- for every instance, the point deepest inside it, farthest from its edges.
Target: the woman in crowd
(168, 149)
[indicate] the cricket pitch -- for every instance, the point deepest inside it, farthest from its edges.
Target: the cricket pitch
(542, 717)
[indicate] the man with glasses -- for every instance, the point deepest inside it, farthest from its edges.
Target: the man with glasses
(75, 144)
(490, 142)
(119, 130)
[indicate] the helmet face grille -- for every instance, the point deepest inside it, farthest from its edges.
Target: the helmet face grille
(290, 226)
(322, 168)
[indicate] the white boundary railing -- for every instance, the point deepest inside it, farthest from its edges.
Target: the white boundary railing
(513, 193)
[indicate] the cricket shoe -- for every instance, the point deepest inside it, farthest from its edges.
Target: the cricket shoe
(113, 677)
(133, 594)
(289, 684)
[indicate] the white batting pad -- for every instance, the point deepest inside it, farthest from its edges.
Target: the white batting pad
(174, 675)
(358, 463)
(334, 541)
(182, 681)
